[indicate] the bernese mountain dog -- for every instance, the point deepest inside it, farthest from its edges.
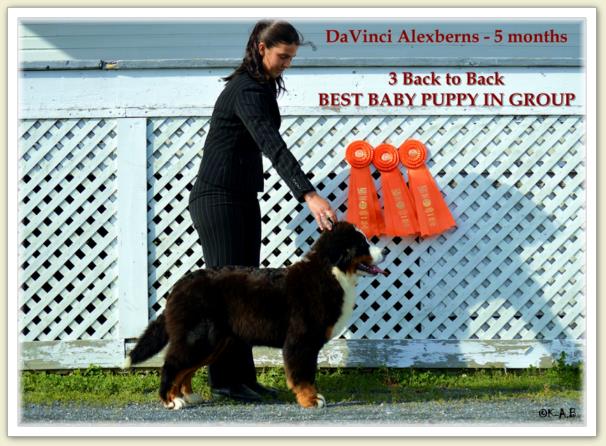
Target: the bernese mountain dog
(297, 308)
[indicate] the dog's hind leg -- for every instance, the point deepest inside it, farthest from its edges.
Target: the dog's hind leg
(186, 390)
(181, 394)
(170, 370)
(178, 365)
(183, 381)
(300, 366)
(181, 362)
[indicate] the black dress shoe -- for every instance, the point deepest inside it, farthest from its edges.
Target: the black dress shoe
(238, 392)
(262, 390)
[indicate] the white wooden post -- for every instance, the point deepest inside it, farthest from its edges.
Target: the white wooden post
(132, 226)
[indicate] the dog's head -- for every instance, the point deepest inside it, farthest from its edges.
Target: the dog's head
(347, 248)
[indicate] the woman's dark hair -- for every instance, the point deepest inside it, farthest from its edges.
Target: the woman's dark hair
(271, 33)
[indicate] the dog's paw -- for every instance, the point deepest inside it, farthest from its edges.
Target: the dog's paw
(176, 404)
(193, 398)
(320, 401)
(127, 363)
(308, 398)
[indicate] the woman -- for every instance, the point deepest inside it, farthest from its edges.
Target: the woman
(223, 203)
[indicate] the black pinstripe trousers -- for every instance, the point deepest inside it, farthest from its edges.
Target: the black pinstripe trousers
(229, 227)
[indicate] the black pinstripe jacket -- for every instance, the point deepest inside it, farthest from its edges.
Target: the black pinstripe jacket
(245, 123)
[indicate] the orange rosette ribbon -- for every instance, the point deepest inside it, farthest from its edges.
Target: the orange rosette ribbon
(363, 209)
(432, 212)
(398, 207)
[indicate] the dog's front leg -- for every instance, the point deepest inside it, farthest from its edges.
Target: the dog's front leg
(300, 363)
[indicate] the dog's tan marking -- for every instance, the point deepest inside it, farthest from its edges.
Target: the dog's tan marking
(307, 396)
(181, 389)
(186, 389)
(329, 332)
(172, 395)
(188, 394)
(178, 383)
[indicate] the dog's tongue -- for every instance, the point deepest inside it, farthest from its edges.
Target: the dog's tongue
(376, 270)
(372, 269)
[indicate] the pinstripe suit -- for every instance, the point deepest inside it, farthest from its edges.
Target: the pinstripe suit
(244, 124)
(223, 202)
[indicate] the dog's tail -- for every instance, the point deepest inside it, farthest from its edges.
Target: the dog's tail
(153, 339)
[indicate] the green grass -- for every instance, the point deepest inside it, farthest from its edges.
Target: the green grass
(103, 387)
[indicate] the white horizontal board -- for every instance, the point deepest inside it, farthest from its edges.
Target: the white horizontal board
(426, 354)
(135, 93)
(58, 355)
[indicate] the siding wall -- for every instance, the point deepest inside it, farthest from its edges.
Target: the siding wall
(61, 43)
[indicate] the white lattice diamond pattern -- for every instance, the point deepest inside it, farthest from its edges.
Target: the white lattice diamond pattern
(67, 229)
(480, 281)
(511, 269)
(174, 154)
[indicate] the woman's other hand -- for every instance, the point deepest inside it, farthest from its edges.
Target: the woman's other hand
(321, 210)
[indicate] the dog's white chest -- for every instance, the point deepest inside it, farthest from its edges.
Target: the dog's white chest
(348, 283)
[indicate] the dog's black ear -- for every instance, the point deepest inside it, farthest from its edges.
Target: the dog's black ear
(345, 259)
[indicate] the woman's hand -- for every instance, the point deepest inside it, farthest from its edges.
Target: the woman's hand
(321, 210)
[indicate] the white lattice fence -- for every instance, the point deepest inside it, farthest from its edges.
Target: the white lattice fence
(510, 273)
(67, 192)
(174, 154)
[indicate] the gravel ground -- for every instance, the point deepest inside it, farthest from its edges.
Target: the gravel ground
(541, 412)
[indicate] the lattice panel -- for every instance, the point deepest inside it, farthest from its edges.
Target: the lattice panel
(174, 153)
(513, 268)
(67, 229)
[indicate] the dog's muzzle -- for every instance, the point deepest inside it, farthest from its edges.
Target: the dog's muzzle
(373, 269)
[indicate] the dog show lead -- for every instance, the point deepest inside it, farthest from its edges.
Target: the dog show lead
(223, 203)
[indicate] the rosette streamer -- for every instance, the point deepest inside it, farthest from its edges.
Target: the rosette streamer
(433, 214)
(363, 207)
(398, 207)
